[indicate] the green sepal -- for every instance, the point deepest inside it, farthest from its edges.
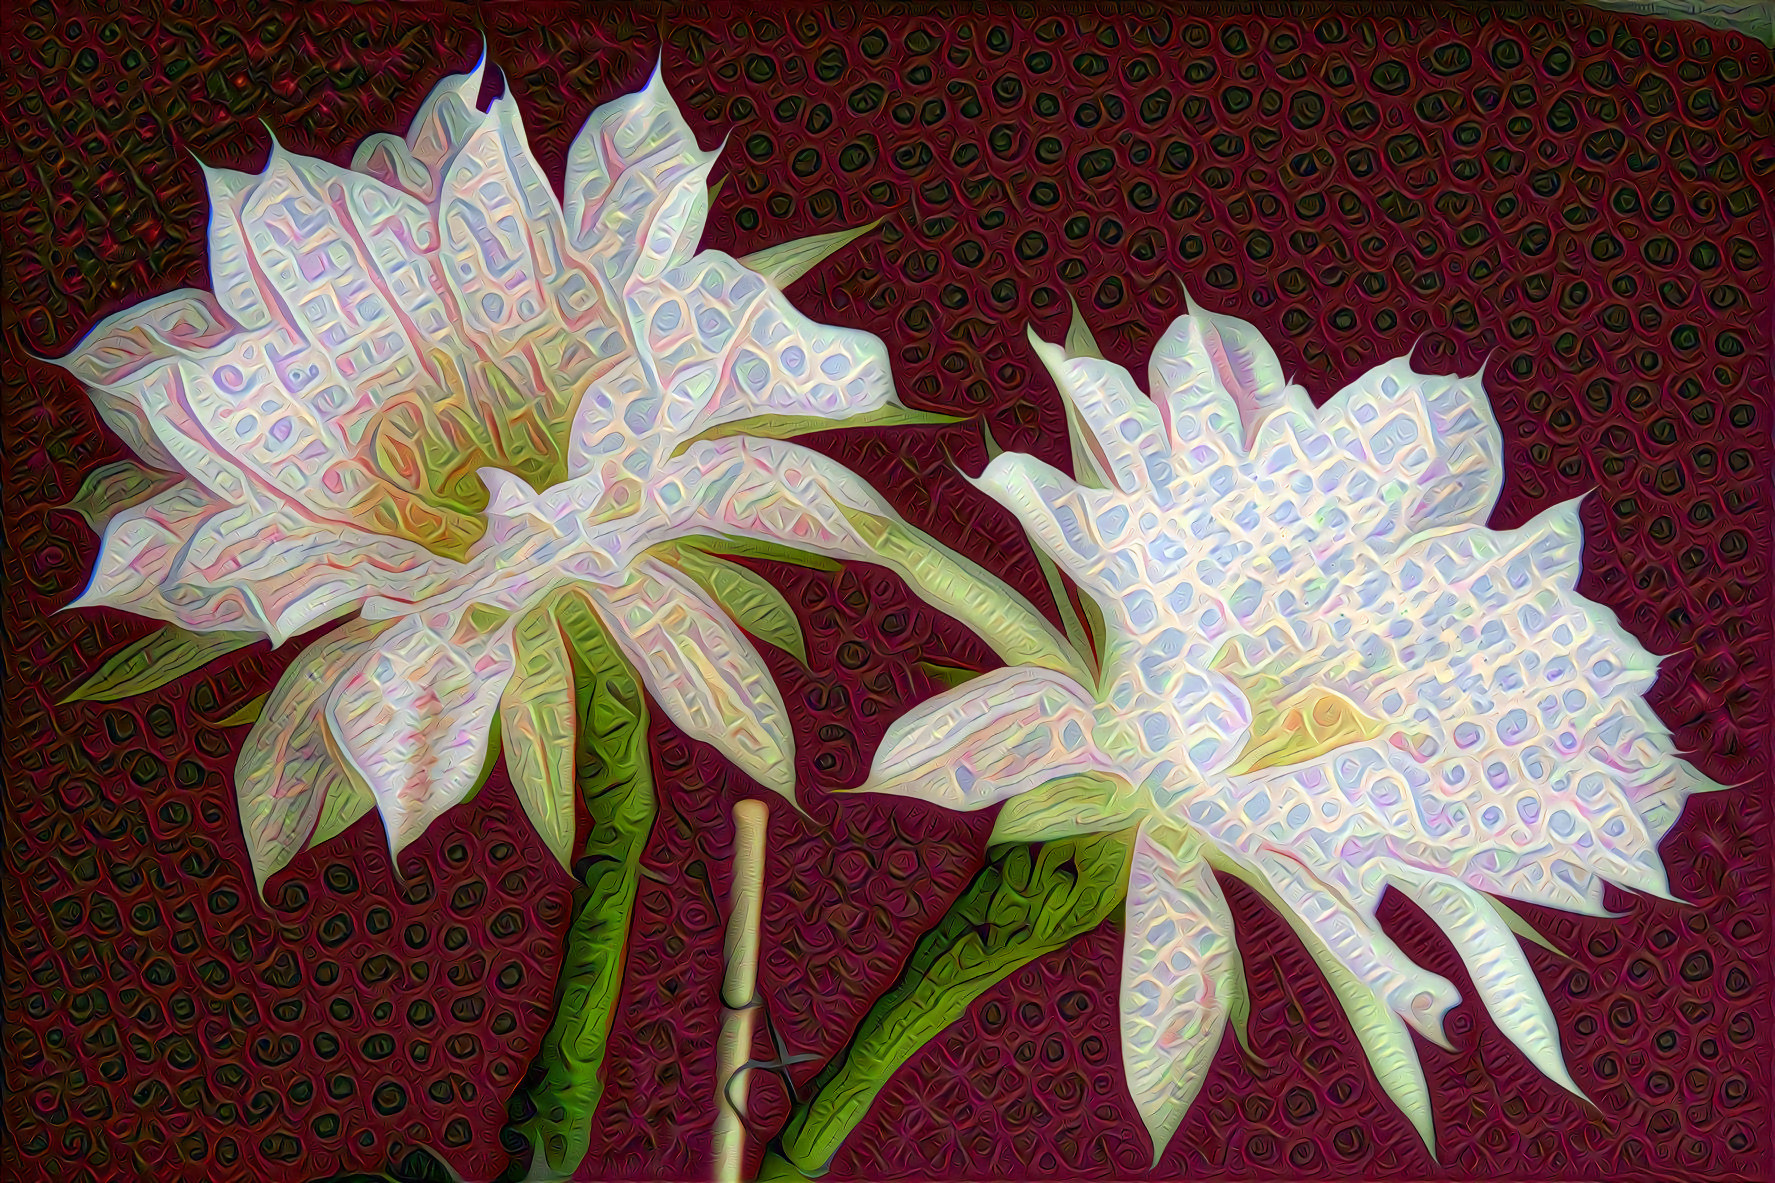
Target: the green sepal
(112, 488)
(155, 660)
(733, 546)
(1519, 925)
(946, 675)
(782, 427)
(744, 595)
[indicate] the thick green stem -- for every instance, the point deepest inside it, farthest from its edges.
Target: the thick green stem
(615, 776)
(1029, 899)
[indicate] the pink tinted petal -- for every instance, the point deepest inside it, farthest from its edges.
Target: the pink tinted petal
(993, 737)
(288, 772)
(413, 713)
(702, 670)
(1178, 959)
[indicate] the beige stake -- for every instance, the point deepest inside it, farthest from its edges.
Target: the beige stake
(735, 1044)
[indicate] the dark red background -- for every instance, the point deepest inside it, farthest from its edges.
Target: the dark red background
(1576, 200)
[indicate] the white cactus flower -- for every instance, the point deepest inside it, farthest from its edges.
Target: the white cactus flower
(1322, 672)
(427, 389)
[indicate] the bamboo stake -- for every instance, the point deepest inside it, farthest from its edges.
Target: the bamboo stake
(734, 1046)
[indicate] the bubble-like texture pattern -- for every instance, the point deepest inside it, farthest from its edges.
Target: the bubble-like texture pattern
(1576, 199)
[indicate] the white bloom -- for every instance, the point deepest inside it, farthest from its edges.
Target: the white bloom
(1322, 672)
(395, 359)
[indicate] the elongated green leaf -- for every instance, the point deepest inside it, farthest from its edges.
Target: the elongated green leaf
(969, 593)
(112, 488)
(753, 603)
(1068, 806)
(1383, 1035)
(615, 778)
(247, 712)
(787, 262)
(1522, 927)
(1069, 619)
(780, 427)
(1027, 901)
(155, 660)
(947, 676)
(750, 548)
(537, 714)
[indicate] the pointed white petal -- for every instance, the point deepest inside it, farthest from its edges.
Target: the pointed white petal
(720, 345)
(446, 118)
(1123, 431)
(993, 737)
(1178, 961)
(1065, 519)
(1501, 972)
(1429, 444)
(1383, 1035)
(288, 774)
(1206, 429)
(636, 188)
(413, 713)
(779, 492)
(140, 554)
(1518, 754)
(703, 672)
(1416, 995)
(187, 557)
(111, 358)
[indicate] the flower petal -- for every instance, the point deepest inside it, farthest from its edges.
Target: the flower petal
(538, 726)
(190, 558)
(413, 713)
(636, 188)
(722, 345)
(779, 492)
(1430, 444)
(706, 675)
(415, 165)
(288, 774)
(112, 357)
(536, 311)
(998, 735)
(1383, 1036)
(1527, 756)
(142, 548)
(1065, 518)
(1204, 418)
(1124, 431)
(1178, 962)
(329, 270)
(1501, 972)
(1207, 357)
(1416, 995)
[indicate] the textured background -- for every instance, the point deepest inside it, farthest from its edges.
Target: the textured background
(1575, 200)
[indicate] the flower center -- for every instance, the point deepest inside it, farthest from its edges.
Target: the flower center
(1294, 729)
